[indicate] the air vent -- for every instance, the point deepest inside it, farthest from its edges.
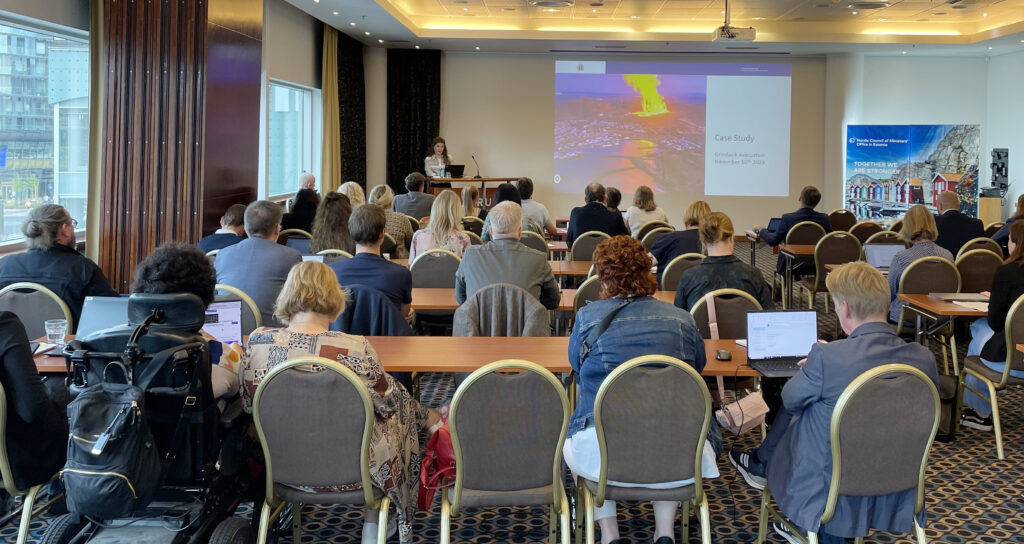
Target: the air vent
(552, 3)
(869, 5)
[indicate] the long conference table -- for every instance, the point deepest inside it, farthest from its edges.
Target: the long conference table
(428, 298)
(558, 268)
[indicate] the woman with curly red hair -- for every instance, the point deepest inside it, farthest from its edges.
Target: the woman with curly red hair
(642, 325)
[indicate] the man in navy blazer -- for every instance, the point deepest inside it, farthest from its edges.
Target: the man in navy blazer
(809, 198)
(258, 265)
(795, 458)
(594, 216)
(955, 228)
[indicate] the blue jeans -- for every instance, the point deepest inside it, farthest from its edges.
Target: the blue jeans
(981, 333)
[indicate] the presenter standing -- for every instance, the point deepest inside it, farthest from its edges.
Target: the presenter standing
(437, 161)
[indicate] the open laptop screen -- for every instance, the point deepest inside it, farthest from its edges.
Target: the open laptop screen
(880, 255)
(317, 258)
(781, 334)
(773, 224)
(224, 321)
(99, 313)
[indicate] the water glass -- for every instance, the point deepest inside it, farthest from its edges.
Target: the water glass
(55, 330)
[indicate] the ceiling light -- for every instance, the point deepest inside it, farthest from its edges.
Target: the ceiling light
(417, 47)
(990, 48)
(854, 12)
(904, 52)
(882, 19)
(335, 12)
(316, 1)
(478, 48)
(552, 3)
(984, 15)
(634, 16)
(551, 10)
(593, 11)
(351, 23)
(465, 9)
(380, 41)
(367, 33)
(757, 18)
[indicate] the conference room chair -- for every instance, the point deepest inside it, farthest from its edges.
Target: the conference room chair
(869, 459)
(287, 234)
(305, 443)
(653, 236)
(896, 225)
(835, 248)
(589, 291)
(731, 309)
(473, 224)
(863, 230)
(533, 240)
(389, 246)
(434, 268)
(651, 415)
(977, 270)
(474, 238)
(34, 304)
(212, 256)
(413, 222)
(251, 317)
(331, 255)
(923, 276)
(993, 228)
(676, 267)
(803, 233)
(980, 243)
(651, 225)
(584, 245)
(841, 219)
(508, 422)
(501, 309)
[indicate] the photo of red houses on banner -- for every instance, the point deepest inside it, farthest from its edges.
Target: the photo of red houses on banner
(889, 168)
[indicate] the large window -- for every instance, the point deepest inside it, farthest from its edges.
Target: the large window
(44, 125)
(293, 137)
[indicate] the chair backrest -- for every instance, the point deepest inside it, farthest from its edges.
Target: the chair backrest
(34, 304)
(654, 235)
(305, 442)
(473, 224)
(251, 317)
(651, 415)
(805, 232)
(930, 275)
(212, 255)
(589, 291)
(413, 222)
(285, 234)
(977, 269)
(334, 254)
(837, 247)
(674, 270)
(981, 243)
(474, 238)
(6, 475)
(534, 241)
(993, 228)
(1013, 328)
(731, 308)
(508, 429)
(897, 225)
(841, 219)
(583, 246)
(389, 245)
(869, 459)
(864, 230)
(435, 268)
(649, 226)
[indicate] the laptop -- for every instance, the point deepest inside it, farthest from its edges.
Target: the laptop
(773, 224)
(777, 340)
(317, 258)
(224, 321)
(301, 244)
(959, 297)
(880, 255)
(99, 313)
(454, 170)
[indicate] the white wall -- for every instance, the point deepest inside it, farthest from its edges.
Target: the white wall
(292, 44)
(926, 90)
(1005, 122)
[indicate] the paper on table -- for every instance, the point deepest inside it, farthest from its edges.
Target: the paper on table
(976, 306)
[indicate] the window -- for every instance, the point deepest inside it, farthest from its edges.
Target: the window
(44, 124)
(293, 137)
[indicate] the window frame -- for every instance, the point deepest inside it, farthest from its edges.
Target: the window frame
(312, 137)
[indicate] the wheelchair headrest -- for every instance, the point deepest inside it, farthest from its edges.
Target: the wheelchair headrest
(181, 311)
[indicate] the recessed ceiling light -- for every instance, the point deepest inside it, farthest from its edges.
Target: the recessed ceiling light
(316, 1)
(854, 12)
(335, 12)
(883, 19)
(465, 9)
(990, 48)
(593, 11)
(380, 41)
(551, 10)
(478, 48)
(351, 23)
(757, 18)
(634, 16)
(723, 12)
(904, 52)
(417, 47)
(367, 33)
(552, 3)
(984, 14)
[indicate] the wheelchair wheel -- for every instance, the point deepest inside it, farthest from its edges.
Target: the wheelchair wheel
(64, 529)
(232, 531)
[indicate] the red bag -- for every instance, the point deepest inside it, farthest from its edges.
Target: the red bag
(438, 468)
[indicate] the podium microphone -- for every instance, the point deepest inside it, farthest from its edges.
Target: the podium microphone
(477, 176)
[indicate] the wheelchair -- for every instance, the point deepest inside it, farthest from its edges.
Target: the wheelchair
(211, 460)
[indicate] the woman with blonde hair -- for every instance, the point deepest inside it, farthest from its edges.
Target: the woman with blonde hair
(397, 225)
(677, 243)
(330, 225)
(643, 210)
(920, 231)
(354, 192)
(444, 231)
(309, 301)
(471, 203)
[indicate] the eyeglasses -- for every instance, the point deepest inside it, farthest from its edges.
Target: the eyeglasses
(74, 223)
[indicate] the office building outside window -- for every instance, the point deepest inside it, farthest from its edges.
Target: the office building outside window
(293, 137)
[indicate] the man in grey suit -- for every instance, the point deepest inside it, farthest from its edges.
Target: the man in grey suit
(796, 455)
(506, 260)
(415, 203)
(258, 265)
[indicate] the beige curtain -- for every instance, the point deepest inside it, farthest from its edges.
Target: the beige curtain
(330, 174)
(97, 99)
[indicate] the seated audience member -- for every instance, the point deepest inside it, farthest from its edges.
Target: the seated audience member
(809, 198)
(302, 211)
(1003, 234)
(471, 203)
(506, 260)
(988, 340)
(674, 244)
(330, 225)
(642, 326)
(955, 228)
(720, 269)
(309, 301)
(918, 229)
(367, 267)
(643, 210)
(53, 261)
(796, 455)
(444, 231)
(415, 203)
(506, 192)
(306, 181)
(534, 210)
(258, 265)
(181, 268)
(594, 215)
(397, 224)
(231, 231)
(614, 198)
(354, 192)
(37, 426)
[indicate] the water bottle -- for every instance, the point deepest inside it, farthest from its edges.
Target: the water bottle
(442, 171)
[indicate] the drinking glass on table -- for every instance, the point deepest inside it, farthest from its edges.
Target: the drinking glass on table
(55, 331)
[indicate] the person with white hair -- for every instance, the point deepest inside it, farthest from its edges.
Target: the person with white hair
(307, 181)
(354, 192)
(506, 260)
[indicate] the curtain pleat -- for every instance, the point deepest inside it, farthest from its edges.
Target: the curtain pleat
(414, 111)
(351, 110)
(330, 173)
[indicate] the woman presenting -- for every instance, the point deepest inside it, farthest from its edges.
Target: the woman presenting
(437, 161)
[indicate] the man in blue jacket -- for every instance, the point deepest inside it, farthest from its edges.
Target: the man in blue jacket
(809, 198)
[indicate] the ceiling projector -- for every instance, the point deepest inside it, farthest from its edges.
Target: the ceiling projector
(733, 34)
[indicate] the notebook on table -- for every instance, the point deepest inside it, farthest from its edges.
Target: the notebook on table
(778, 340)
(99, 313)
(880, 255)
(959, 297)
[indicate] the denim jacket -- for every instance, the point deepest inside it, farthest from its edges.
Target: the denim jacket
(646, 326)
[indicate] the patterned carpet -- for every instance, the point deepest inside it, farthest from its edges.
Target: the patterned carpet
(971, 496)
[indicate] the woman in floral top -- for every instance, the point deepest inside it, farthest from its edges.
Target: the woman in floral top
(309, 301)
(444, 230)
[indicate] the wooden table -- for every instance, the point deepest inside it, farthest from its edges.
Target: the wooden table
(792, 252)
(428, 298)
(560, 232)
(558, 268)
(940, 311)
(562, 220)
(558, 246)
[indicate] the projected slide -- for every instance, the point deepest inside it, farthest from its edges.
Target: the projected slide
(716, 129)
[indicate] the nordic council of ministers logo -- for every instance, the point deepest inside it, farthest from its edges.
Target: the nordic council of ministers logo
(876, 142)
